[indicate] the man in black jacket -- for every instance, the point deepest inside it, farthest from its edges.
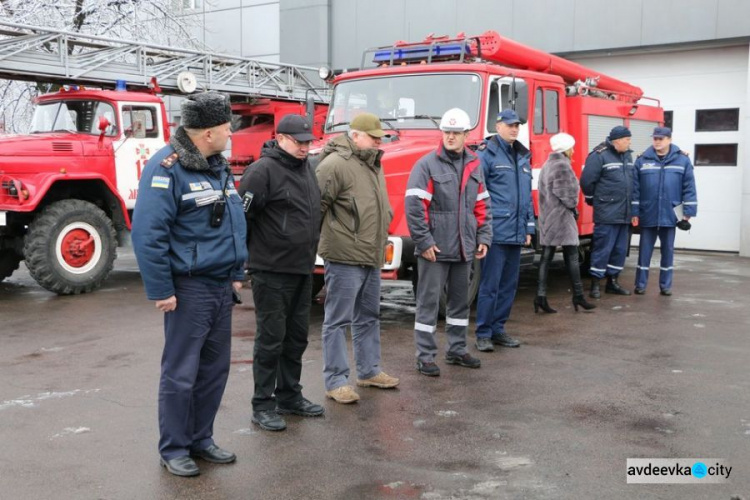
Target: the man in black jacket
(282, 206)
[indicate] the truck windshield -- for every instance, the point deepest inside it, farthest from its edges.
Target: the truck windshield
(405, 102)
(71, 116)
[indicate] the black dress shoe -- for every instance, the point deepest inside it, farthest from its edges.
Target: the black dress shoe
(505, 340)
(466, 360)
(484, 345)
(640, 291)
(666, 292)
(428, 368)
(268, 420)
(215, 455)
(181, 466)
(303, 408)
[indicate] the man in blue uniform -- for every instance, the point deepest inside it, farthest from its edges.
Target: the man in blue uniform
(507, 174)
(663, 181)
(189, 239)
(607, 184)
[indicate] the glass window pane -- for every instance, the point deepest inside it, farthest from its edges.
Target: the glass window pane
(551, 112)
(538, 122)
(717, 120)
(716, 155)
(668, 116)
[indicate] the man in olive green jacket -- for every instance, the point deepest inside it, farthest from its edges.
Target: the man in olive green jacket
(355, 218)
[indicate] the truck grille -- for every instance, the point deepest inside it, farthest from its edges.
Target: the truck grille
(62, 146)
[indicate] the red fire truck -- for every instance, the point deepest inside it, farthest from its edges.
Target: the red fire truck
(410, 85)
(67, 190)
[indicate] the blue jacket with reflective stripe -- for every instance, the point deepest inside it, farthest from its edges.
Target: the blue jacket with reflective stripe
(660, 184)
(507, 175)
(172, 235)
(607, 184)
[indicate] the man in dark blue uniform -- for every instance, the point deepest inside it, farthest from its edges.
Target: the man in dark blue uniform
(607, 184)
(507, 174)
(663, 181)
(189, 239)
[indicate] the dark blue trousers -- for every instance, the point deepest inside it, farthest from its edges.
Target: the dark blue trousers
(194, 365)
(646, 250)
(608, 249)
(497, 288)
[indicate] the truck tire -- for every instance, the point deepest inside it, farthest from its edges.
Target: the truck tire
(9, 261)
(475, 274)
(70, 247)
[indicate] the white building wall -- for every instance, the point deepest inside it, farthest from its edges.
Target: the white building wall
(684, 81)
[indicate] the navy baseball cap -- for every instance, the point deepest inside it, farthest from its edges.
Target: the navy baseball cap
(296, 126)
(662, 132)
(509, 117)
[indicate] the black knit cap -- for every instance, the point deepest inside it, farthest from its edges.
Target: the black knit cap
(619, 132)
(206, 110)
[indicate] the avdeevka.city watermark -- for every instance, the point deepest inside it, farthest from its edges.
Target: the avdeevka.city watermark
(678, 470)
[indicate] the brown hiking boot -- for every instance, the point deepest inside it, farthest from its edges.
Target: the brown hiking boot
(382, 381)
(344, 394)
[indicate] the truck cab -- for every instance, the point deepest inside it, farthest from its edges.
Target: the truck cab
(410, 85)
(67, 189)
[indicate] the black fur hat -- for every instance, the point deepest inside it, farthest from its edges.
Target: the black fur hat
(206, 110)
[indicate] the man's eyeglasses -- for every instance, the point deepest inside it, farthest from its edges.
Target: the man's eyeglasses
(298, 143)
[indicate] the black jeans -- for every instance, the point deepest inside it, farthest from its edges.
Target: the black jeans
(570, 254)
(282, 314)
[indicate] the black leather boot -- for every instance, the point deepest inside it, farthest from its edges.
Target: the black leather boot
(541, 303)
(595, 292)
(614, 287)
(548, 253)
(580, 300)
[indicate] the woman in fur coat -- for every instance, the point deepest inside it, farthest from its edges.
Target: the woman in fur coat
(558, 199)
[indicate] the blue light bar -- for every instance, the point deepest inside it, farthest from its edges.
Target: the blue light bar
(120, 85)
(422, 52)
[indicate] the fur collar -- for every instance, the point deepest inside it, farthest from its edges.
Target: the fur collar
(190, 157)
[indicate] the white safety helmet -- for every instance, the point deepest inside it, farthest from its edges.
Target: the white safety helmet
(455, 120)
(561, 142)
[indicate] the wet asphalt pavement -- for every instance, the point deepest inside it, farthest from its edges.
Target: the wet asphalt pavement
(642, 376)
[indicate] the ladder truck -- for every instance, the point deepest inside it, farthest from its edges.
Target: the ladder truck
(410, 85)
(68, 188)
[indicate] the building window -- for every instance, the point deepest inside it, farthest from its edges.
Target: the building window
(668, 116)
(716, 155)
(717, 120)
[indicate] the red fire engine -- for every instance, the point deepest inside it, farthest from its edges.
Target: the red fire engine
(412, 84)
(67, 190)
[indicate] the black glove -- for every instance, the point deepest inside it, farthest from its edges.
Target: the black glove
(684, 225)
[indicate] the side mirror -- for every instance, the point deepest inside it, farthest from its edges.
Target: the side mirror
(103, 124)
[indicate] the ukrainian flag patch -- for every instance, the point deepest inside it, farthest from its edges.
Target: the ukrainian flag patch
(160, 182)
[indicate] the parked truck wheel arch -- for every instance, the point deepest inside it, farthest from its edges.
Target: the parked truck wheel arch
(70, 247)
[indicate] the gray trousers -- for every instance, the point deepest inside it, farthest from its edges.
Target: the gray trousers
(352, 298)
(433, 277)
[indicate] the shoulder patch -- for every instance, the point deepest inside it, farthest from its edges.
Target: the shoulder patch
(482, 146)
(600, 148)
(682, 152)
(169, 160)
(160, 182)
